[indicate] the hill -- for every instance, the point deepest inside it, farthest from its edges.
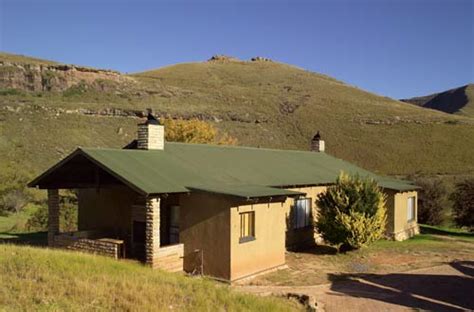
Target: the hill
(22, 59)
(262, 103)
(454, 101)
(43, 279)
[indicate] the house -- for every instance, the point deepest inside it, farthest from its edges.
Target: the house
(224, 211)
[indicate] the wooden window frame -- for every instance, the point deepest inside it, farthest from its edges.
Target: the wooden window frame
(247, 234)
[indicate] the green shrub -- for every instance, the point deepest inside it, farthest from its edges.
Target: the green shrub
(351, 212)
(47, 79)
(463, 203)
(13, 201)
(38, 220)
(432, 201)
(14, 195)
(76, 90)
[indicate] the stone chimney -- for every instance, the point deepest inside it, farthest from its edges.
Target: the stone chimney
(151, 135)
(317, 144)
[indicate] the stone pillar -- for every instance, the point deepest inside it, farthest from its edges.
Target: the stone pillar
(53, 215)
(152, 234)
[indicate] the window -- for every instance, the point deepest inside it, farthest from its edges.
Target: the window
(301, 213)
(247, 226)
(411, 208)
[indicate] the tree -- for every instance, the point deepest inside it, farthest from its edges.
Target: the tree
(352, 212)
(13, 201)
(432, 201)
(38, 221)
(13, 193)
(463, 203)
(195, 131)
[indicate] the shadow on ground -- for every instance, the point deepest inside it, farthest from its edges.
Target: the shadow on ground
(431, 230)
(418, 291)
(317, 250)
(32, 239)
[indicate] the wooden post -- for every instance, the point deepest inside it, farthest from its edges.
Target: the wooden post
(152, 234)
(53, 215)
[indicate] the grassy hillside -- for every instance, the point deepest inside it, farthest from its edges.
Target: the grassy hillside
(14, 58)
(264, 104)
(35, 279)
(455, 101)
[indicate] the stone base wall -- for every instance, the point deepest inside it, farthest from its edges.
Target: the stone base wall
(169, 258)
(405, 234)
(94, 246)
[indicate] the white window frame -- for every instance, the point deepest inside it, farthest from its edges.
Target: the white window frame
(302, 213)
(411, 208)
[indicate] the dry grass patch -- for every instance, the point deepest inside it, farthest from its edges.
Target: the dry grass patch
(35, 279)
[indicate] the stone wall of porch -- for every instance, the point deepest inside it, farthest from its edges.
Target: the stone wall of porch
(146, 210)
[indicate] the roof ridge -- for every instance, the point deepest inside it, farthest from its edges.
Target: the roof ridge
(218, 146)
(240, 147)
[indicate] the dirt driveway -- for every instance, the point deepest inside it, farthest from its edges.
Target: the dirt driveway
(447, 287)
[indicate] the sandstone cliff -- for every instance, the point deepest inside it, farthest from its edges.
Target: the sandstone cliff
(56, 78)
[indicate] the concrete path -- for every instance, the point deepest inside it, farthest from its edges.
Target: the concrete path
(448, 287)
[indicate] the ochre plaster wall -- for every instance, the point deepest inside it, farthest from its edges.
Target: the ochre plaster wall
(267, 251)
(205, 232)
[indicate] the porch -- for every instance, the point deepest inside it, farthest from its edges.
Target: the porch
(151, 237)
(115, 218)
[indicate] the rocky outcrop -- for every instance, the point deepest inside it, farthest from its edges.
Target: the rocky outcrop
(260, 59)
(137, 113)
(223, 59)
(56, 78)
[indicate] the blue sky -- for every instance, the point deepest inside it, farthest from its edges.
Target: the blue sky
(395, 48)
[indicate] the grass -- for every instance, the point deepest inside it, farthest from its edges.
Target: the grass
(447, 232)
(36, 279)
(435, 246)
(21, 59)
(12, 229)
(13, 222)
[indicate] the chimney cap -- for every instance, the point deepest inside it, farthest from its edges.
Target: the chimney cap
(317, 136)
(150, 118)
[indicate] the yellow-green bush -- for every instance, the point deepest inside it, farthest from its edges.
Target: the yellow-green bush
(352, 212)
(195, 131)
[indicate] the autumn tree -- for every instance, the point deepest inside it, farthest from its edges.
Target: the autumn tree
(195, 131)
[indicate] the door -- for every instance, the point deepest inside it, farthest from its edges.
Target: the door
(174, 225)
(138, 240)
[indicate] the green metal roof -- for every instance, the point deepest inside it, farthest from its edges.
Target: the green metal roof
(246, 191)
(239, 171)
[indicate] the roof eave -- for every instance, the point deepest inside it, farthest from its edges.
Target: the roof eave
(80, 151)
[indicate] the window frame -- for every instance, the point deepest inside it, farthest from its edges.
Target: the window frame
(247, 234)
(307, 217)
(411, 213)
